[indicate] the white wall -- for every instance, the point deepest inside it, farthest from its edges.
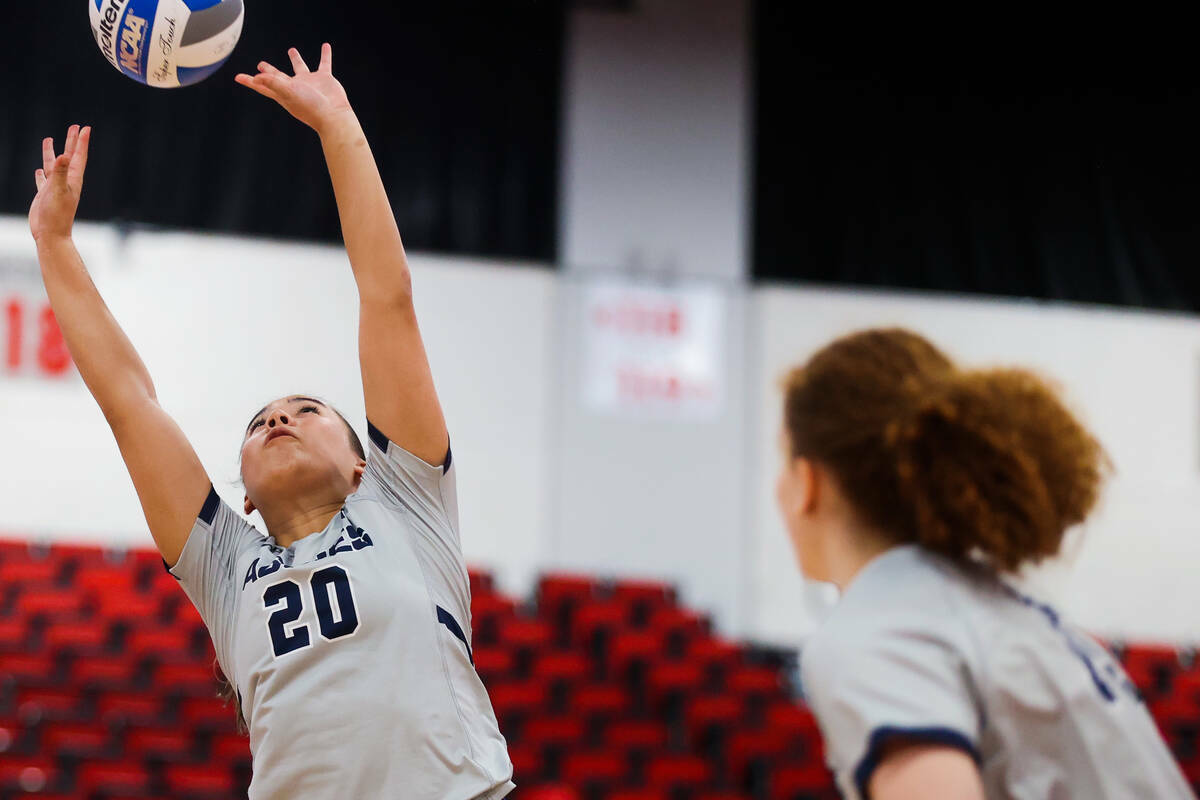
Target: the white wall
(225, 325)
(1133, 377)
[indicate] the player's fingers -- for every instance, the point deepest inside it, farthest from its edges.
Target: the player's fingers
(61, 165)
(39, 179)
(267, 67)
(80, 156)
(297, 62)
(72, 138)
(256, 83)
(47, 154)
(326, 58)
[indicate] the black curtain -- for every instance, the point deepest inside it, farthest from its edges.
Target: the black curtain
(976, 156)
(459, 99)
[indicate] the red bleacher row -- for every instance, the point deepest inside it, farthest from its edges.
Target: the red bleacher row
(604, 690)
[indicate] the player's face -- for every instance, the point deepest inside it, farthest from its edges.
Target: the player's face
(297, 444)
(795, 495)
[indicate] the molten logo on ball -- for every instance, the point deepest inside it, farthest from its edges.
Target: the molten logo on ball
(167, 43)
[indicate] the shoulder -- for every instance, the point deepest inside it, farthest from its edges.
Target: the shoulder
(908, 605)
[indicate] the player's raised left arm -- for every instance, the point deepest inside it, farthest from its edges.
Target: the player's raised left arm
(397, 382)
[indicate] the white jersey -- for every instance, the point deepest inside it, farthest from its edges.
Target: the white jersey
(351, 649)
(921, 649)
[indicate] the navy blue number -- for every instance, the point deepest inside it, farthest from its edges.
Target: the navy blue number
(334, 623)
(331, 627)
(293, 604)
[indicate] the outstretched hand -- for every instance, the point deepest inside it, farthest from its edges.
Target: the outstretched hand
(59, 185)
(314, 98)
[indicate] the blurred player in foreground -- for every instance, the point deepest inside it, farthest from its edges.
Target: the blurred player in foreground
(346, 629)
(914, 486)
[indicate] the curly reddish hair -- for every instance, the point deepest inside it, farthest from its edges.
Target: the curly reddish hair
(981, 466)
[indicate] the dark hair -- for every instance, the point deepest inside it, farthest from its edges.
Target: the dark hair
(981, 466)
(355, 442)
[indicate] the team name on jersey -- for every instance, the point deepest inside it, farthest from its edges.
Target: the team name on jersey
(353, 538)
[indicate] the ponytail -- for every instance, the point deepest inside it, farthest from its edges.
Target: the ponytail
(981, 466)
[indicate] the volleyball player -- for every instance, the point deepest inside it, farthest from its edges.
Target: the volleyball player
(345, 629)
(917, 487)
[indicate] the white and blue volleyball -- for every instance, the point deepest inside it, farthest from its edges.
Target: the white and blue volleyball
(167, 43)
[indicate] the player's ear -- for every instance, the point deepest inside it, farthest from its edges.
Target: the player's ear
(360, 467)
(808, 479)
(247, 505)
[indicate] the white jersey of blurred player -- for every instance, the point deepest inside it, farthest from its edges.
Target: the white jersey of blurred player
(919, 649)
(370, 620)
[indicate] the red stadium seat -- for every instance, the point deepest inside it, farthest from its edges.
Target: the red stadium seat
(131, 707)
(208, 713)
(628, 647)
(517, 697)
(562, 730)
(712, 650)
(757, 681)
(54, 604)
(50, 703)
(187, 779)
(674, 677)
(747, 746)
(174, 744)
(14, 635)
(189, 677)
(104, 578)
(158, 642)
(76, 739)
(805, 780)
(27, 668)
(29, 573)
(27, 773)
(586, 766)
(641, 793)
(636, 734)
(601, 699)
(679, 622)
(556, 590)
(649, 593)
(133, 607)
(533, 634)
(231, 747)
(568, 666)
(595, 617)
(705, 711)
(104, 672)
(112, 777)
(77, 636)
(526, 761)
(551, 792)
(493, 663)
(679, 771)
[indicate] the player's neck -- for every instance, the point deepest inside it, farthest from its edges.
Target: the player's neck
(292, 524)
(851, 550)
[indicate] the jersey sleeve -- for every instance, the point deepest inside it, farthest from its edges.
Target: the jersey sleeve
(207, 568)
(429, 495)
(426, 491)
(869, 692)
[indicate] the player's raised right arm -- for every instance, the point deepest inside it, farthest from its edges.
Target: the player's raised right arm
(170, 481)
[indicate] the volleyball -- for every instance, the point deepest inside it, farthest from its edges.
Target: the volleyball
(166, 43)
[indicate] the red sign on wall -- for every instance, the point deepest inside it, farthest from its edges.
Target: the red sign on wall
(31, 343)
(653, 351)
